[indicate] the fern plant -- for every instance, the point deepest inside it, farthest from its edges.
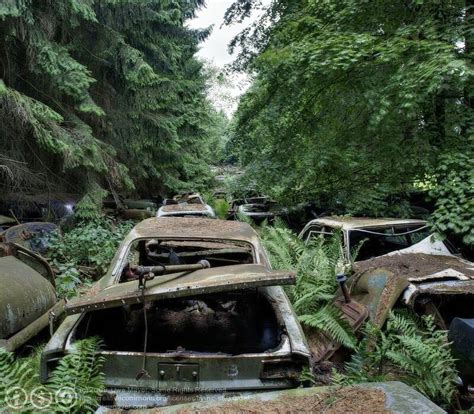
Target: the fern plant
(410, 349)
(14, 372)
(79, 371)
(315, 265)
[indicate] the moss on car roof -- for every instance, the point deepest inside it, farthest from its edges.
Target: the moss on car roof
(183, 227)
(184, 207)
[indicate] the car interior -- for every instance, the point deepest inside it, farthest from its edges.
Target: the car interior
(230, 323)
(234, 322)
(156, 252)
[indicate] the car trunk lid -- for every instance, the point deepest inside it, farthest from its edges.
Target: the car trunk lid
(182, 284)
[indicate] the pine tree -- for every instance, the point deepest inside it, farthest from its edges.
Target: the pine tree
(102, 92)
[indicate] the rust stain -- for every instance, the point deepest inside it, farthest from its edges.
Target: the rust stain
(187, 227)
(414, 265)
(183, 207)
(181, 284)
(203, 244)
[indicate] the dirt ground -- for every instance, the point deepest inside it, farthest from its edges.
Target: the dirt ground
(413, 265)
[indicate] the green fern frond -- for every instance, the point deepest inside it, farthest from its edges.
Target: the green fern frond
(316, 286)
(410, 348)
(79, 370)
(328, 319)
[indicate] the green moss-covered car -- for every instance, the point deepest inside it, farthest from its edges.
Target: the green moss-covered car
(188, 305)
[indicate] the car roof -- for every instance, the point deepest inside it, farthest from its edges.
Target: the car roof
(347, 223)
(193, 227)
(184, 207)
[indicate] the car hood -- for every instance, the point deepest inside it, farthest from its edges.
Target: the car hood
(182, 284)
(426, 267)
(427, 260)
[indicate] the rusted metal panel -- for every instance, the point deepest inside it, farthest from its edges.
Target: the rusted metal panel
(277, 296)
(189, 228)
(34, 260)
(216, 371)
(420, 266)
(183, 284)
(347, 223)
(54, 349)
(379, 290)
(33, 236)
(33, 328)
(205, 244)
(446, 288)
(321, 345)
(183, 207)
(24, 295)
(136, 214)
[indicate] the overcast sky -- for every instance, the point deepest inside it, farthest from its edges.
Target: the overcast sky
(214, 49)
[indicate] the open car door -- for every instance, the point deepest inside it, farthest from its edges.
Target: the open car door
(181, 284)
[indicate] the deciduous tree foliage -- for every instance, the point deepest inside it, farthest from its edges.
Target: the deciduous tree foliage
(354, 100)
(102, 92)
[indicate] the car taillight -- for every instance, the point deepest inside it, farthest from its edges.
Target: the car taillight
(281, 369)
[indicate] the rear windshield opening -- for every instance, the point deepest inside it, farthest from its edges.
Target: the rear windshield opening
(382, 240)
(154, 252)
(230, 323)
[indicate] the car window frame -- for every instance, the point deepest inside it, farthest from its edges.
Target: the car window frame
(392, 226)
(125, 251)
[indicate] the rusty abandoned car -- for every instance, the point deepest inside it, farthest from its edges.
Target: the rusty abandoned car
(33, 236)
(129, 209)
(256, 209)
(399, 263)
(186, 205)
(28, 302)
(188, 304)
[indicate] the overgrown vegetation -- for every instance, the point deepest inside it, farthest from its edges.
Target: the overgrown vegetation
(74, 387)
(103, 94)
(408, 349)
(220, 205)
(84, 253)
(315, 266)
(356, 102)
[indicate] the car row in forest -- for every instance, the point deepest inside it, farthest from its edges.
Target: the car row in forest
(190, 303)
